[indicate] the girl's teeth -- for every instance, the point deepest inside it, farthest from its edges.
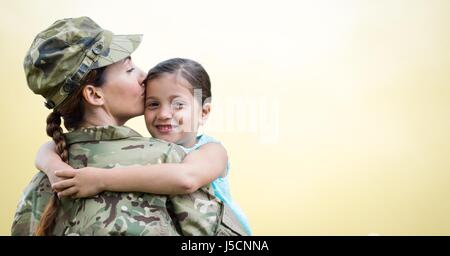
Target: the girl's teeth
(165, 128)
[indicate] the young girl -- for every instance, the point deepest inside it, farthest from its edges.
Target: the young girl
(178, 101)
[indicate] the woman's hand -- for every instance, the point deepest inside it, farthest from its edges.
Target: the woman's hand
(79, 183)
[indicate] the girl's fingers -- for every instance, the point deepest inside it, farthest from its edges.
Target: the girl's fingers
(65, 173)
(62, 185)
(68, 192)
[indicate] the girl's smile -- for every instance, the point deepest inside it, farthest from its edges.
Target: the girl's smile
(171, 112)
(166, 128)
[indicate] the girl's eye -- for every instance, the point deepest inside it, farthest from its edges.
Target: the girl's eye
(152, 105)
(130, 70)
(178, 105)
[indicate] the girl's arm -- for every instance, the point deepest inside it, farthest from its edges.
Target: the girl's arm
(198, 168)
(48, 161)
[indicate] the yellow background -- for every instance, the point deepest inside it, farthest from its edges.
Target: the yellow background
(361, 93)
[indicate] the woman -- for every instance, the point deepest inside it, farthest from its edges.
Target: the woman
(88, 78)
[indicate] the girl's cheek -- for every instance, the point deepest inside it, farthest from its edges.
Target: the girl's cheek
(147, 114)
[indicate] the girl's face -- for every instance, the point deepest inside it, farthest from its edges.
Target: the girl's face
(124, 90)
(171, 112)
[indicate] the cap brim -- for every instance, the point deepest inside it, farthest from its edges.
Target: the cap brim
(121, 47)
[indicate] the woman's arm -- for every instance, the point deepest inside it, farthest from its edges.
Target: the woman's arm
(198, 168)
(48, 161)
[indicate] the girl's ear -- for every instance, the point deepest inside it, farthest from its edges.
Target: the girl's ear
(93, 95)
(206, 109)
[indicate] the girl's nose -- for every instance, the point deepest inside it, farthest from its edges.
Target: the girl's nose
(165, 112)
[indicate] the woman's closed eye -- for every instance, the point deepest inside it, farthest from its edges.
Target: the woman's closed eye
(130, 70)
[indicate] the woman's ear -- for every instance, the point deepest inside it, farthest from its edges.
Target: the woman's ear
(93, 95)
(206, 109)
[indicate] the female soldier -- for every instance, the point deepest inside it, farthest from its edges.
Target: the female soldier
(88, 78)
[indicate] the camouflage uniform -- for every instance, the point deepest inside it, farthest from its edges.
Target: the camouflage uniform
(111, 213)
(55, 65)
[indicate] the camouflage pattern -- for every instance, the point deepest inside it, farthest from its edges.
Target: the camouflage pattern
(111, 213)
(61, 56)
(31, 205)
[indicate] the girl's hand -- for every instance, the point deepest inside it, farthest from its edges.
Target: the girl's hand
(53, 178)
(79, 183)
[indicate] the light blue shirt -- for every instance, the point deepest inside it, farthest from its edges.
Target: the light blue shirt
(220, 185)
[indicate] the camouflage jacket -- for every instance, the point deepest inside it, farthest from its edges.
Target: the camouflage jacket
(130, 213)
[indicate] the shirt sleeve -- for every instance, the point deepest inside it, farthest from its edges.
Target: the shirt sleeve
(175, 154)
(31, 205)
(195, 214)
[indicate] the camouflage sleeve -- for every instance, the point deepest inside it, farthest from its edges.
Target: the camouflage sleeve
(201, 213)
(174, 154)
(32, 203)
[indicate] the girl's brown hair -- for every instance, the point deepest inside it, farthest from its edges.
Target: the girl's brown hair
(190, 70)
(72, 113)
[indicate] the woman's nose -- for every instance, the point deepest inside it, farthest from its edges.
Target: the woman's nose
(141, 76)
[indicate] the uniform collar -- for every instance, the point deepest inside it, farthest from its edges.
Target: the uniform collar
(100, 133)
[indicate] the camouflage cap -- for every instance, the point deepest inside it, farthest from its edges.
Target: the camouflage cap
(61, 56)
